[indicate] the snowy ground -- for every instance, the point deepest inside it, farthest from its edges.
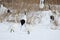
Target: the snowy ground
(36, 34)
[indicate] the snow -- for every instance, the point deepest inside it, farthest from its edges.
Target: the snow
(38, 31)
(37, 34)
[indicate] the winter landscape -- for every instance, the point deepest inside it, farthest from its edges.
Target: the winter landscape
(39, 24)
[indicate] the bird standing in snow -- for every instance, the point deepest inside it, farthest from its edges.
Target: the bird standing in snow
(23, 20)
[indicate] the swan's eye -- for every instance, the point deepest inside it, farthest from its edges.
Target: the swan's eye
(52, 17)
